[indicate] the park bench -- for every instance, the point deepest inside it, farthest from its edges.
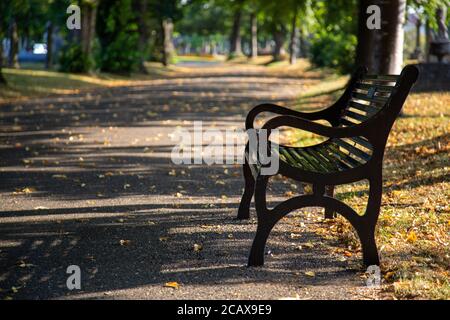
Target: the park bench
(360, 124)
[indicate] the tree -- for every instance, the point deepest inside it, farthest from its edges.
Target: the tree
(56, 16)
(2, 35)
(235, 37)
(254, 35)
(141, 6)
(167, 13)
(118, 36)
(293, 44)
(389, 56)
(366, 37)
(88, 25)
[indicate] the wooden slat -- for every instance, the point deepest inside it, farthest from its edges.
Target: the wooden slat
(356, 116)
(302, 160)
(379, 87)
(377, 99)
(323, 163)
(347, 123)
(362, 142)
(386, 77)
(331, 165)
(319, 164)
(291, 161)
(352, 149)
(343, 156)
(363, 107)
(333, 158)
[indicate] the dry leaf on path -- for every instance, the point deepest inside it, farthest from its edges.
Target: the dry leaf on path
(172, 284)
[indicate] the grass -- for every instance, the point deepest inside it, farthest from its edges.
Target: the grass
(32, 82)
(414, 226)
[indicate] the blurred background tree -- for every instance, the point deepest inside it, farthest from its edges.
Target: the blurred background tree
(119, 36)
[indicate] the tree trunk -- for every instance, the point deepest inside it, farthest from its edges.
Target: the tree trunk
(143, 33)
(366, 38)
(88, 22)
(168, 48)
(418, 50)
(14, 45)
(2, 78)
(254, 33)
(303, 46)
(428, 38)
(235, 38)
(49, 57)
(279, 37)
(293, 45)
(441, 18)
(391, 37)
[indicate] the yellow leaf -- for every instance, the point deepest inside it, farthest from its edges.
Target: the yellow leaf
(198, 247)
(347, 253)
(412, 237)
(172, 284)
(28, 190)
(389, 275)
(289, 194)
(309, 245)
(310, 273)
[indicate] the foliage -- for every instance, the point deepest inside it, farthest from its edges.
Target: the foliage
(334, 50)
(117, 31)
(72, 59)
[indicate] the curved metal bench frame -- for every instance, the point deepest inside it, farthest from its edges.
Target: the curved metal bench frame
(375, 129)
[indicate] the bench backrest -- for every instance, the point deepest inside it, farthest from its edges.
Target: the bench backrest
(370, 94)
(366, 97)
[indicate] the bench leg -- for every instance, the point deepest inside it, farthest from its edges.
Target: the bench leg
(330, 214)
(366, 230)
(256, 258)
(244, 206)
(369, 247)
(265, 224)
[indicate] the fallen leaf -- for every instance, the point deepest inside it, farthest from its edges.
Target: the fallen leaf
(198, 247)
(172, 284)
(412, 237)
(125, 242)
(40, 208)
(59, 176)
(347, 254)
(310, 273)
(309, 245)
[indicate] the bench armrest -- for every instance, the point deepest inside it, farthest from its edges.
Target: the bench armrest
(269, 107)
(306, 125)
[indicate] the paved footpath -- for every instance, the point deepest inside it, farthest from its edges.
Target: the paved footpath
(87, 180)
